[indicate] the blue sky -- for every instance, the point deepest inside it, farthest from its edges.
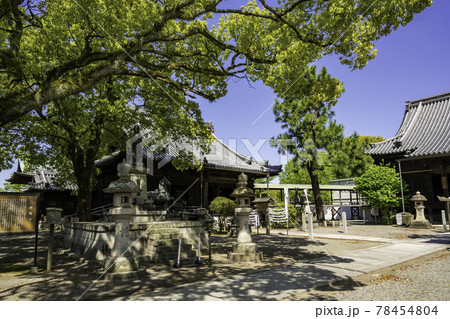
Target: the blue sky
(412, 63)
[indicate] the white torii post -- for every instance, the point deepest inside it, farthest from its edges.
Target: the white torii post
(286, 208)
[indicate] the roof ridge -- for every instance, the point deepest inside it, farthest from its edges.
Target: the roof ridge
(242, 156)
(430, 98)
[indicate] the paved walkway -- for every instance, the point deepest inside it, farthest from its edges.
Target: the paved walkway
(279, 282)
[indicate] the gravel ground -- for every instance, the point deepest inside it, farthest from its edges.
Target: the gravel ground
(357, 228)
(72, 275)
(425, 278)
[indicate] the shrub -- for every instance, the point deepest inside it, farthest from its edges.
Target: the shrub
(380, 186)
(223, 207)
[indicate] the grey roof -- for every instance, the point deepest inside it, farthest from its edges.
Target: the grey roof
(425, 130)
(221, 156)
(43, 181)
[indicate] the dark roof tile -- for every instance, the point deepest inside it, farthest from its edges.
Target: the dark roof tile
(425, 130)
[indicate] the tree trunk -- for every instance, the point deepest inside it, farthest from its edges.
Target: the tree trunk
(84, 198)
(85, 172)
(316, 194)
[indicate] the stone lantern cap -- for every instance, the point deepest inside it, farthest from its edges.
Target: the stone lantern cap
(418, 198)
(263, 200)
(124, 184)
(241, 188)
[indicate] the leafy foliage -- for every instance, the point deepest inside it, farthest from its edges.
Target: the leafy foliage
(348, 156)
(380, 186)
(8, 187)
(51, 49)
(224, 207)
(294, 174)
(307, 117)
(71, 134)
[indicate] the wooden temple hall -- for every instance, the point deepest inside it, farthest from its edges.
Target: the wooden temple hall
(421, 151)
(197, 188)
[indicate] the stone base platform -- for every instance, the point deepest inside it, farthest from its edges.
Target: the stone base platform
(243, 252)
(238, 257)
(121, 264)
(94, 241)
(421, 224)
(123, 275)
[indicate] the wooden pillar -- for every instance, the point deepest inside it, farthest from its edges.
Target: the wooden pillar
(205, 190)
(444, 184)
(202, 202)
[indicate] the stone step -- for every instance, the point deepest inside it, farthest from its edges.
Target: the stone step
(152, 231)
(169, 242)
(183, 262)
(167, 256)
(173, 248)
(157, 237)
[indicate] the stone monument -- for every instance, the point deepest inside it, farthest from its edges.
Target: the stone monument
(244, 249)
(122, 263)
(420, 221)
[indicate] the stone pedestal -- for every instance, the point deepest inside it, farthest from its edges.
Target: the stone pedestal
(244, 249)
(121, 263)
(245, 252)
(420, 221)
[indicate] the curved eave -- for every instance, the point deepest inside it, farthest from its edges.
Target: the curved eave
(20, 178)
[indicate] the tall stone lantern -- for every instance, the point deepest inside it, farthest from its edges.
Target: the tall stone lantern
(420, 221)
(244, 249)
(121, 260)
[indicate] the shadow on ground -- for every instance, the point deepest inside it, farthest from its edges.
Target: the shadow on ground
(73, 278)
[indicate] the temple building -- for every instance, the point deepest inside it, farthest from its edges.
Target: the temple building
(421, 151)
(41, 181)
(197, 188)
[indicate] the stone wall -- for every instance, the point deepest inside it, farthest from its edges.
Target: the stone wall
(95, 240)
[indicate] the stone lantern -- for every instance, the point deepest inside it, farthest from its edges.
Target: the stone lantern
(121, 260)
(420, 221)
(262, 207)
(244, 249)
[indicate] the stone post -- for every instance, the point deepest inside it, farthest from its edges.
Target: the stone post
(444, 222)
(53, 217)
(344, 221)
(310, 223)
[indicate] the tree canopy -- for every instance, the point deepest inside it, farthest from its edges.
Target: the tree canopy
(52, 49)
(305, 113)
(380, 186)
(348, 156)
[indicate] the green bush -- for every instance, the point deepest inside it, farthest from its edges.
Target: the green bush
(223, 207)
(380, 186)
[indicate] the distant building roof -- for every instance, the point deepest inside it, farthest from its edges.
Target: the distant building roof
(41, 180)
(425, 130)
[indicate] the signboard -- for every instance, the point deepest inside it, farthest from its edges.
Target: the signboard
(18, 212)
(398, 218)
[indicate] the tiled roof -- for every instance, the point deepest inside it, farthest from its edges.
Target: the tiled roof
(425, 130)
(221, 156)
(43, 181)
